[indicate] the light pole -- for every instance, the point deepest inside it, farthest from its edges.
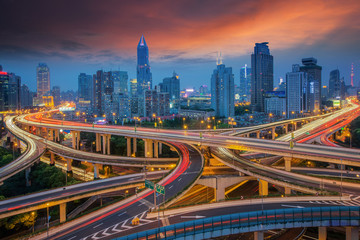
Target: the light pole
(33, 228)
(341, 176)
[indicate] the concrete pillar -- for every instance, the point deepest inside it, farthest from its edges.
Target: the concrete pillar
(38, 131)
(287, 191)
(52, 159)
(160, 147)
(273, 133)
(103, 143)
(257, 134)
(27, 176)
(73, 139)
(128, 146)
(96, 171)
(287, 164)
(149, 148)
(322, 233)
(62, 212)
(68, 165)
(259, 235)
(57, 135)
(352, 233)
(295, 126)
(98, 142)
(263, 188)
(134, 145)
(219, 190)
(108, 143)
(286, 128)
(156, 149)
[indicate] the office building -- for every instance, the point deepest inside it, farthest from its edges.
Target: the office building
(26, 97)
(55, 93)
(171, 85)
(245, 84)
(14, 92)
(313, 94)
(275, 103)
(97, 92)
(156, 103)
(43, 80)
(262, 75)
(222, 91)
(4, 91)
(334, 84)
(133, 87)
(143, 74)
(120, 79)
(107, 103)
(85, 87)
(296, 90)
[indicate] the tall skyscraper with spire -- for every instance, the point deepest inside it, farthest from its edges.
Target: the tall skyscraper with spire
(43, 80)
(144, 76)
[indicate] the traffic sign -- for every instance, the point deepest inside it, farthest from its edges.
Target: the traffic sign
(149, 184)
(160, 189)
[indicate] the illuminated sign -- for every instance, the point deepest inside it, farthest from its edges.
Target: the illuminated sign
(336, 103)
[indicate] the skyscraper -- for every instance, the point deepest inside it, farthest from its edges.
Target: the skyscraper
(144, 76)
(14, 92)
(26, 96)
(296, 89)
(120, 79)
(97, 92)
(43, 80)
(262, 75)
(171, 85)
(133, 87)
(85, 83)
(313, 94)
(222, 91)
(334, 84)
(55, 92)
(245, 83)
(4, 91)
(156, 103)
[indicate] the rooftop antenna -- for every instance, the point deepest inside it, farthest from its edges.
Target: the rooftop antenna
(220, 59)
(217, 58)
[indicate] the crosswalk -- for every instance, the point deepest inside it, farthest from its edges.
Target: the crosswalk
(355, 201)
(119, 227)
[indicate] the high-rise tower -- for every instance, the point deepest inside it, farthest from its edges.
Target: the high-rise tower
(262, 75)
(43, 80)
(144, 76)
(352, 75)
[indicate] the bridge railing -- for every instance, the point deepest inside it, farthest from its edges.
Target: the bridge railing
(256, 221)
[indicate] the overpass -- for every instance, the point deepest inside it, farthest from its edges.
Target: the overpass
(258, 222)
(301, 151)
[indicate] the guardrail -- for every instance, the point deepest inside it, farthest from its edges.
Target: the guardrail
(255, 221)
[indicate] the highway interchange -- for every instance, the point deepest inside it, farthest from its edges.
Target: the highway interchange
(116, 221)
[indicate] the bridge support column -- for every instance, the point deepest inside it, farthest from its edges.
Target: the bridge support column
(352, 233)
(322, 233)
(287, 191)
(57, 135)
(38, 131)
(96, 171)
(62, 207)
(259, 235)
(295, 126)
(263, 188)
(148, 148)
(128, 146)
(75, 139)
(156, 149)
(257, 134)
(27, 176)
(50, 134)
(286, 128)
(68, 165)
(287, 164)
(52, 159)
(108, 143)
(160, 148)
(273, 133)
(98, 142)
(134, 146)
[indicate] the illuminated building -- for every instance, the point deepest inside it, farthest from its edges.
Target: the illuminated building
(245, 84)
(43, 80)
(262, 75)
(144, 76)
(171, 85)
(222, 91)
(296, 89)
(334, 84)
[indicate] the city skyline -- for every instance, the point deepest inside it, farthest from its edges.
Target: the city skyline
(76, 45)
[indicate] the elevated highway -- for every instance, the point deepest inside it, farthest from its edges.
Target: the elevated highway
(301, 151)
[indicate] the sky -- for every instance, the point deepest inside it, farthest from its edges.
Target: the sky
(183, 36)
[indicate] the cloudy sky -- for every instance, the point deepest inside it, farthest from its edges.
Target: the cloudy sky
(87, 35)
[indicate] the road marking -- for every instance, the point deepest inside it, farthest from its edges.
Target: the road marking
(123, 225)
(291, 206)
(98, 225)
(179, 180)
(72, 237)
(121, 214)
(171, 187)
(141, 204)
